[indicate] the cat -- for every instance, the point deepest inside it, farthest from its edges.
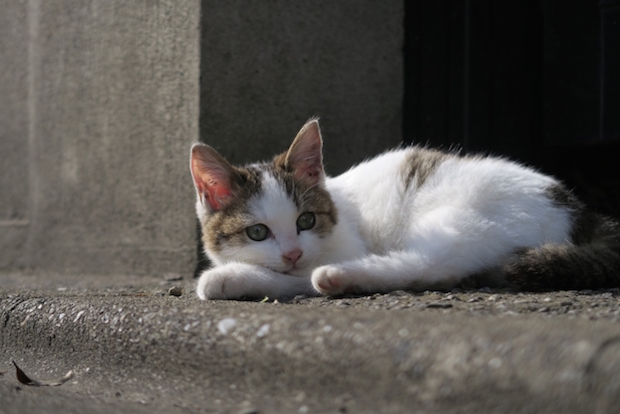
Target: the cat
(412, 218)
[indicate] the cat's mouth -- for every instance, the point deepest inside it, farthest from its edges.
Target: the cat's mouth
(294, 271)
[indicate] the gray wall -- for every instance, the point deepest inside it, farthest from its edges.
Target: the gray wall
(99, 106)
(100, 102)
(269, 66)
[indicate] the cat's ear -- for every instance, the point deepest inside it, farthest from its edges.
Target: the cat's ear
(213, 177)
(305, 155)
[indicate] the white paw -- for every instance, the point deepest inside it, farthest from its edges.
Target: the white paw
(332, 280)
(216, 283)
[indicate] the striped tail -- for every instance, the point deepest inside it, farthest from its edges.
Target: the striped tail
(592, 261)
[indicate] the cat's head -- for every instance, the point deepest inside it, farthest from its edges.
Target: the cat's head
(270, 214)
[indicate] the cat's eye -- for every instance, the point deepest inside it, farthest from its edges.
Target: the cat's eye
(306, 221)
(257, 232)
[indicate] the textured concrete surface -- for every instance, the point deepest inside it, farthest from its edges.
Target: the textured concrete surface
(267, 67)
(13, 132)
(135, 348)
(100, 102)
(99, 107)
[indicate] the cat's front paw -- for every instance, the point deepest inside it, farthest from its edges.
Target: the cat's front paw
(212, 285)
(231, 281)
(332, 280)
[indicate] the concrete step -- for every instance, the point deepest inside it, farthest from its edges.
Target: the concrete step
(135, 348)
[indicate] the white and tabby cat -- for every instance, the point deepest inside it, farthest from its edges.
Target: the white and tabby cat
(412, 218)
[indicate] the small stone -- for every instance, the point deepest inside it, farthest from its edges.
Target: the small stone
(226, 325)
(495, 363)
(175, 291)
(263, 330)
(439, 305)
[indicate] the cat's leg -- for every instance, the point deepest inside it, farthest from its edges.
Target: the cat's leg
(442, 249)
(374, 273)
(239, 280)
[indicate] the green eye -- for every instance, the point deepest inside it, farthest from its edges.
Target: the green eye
(257, 232)
(306, 221)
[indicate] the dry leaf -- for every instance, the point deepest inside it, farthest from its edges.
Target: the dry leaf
(25, 379)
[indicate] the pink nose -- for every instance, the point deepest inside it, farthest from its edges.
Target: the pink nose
(292, 256)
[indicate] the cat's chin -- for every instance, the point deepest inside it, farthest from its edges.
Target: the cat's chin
(296, 271)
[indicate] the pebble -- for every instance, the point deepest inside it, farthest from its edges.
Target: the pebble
(263, 330)
(226, 324)
(439, 305)
(175, 291)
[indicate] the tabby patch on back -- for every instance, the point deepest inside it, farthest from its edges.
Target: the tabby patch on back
(411, 218)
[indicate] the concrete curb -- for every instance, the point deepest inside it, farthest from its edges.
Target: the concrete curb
(179, 353)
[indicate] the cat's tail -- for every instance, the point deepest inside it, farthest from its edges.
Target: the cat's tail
(592, 261)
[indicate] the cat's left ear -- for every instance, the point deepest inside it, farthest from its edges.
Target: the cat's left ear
(305, 155)
(214, 178)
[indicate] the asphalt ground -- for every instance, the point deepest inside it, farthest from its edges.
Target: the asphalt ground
(148, 345)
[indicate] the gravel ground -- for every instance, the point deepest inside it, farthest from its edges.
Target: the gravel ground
(586, 304)
(141, 344)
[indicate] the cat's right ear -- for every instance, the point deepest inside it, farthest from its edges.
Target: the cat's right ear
(305, 155)
(213, 177)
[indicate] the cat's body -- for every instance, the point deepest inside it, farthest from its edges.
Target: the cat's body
(411, 218)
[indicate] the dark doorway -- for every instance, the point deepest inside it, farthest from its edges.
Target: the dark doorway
(535, 81)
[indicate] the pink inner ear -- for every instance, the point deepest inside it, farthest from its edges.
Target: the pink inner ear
(305, 156)
(217, 195)
(309, 168)
(212, 178)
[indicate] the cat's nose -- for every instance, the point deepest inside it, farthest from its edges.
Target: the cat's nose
(292, 256)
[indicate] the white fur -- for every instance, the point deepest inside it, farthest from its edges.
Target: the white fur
(470, 214)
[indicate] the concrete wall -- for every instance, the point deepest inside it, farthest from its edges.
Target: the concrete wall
(14, 166)
(269, 66)
(100, 102)
(99, 107)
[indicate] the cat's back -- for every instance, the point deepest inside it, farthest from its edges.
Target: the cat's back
(387, 177)
(374, 194)
(377, 185)
(386, 194)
